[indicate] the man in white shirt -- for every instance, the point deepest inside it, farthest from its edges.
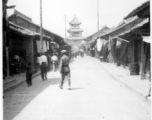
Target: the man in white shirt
(43, 65)
(54, 60)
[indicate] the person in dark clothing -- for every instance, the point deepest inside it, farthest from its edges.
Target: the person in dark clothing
(149, 91)
(43, 66)
(28, 74)
(65, 69)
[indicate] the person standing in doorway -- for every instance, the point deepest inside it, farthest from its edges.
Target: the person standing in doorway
(43, 66)
(65, 69)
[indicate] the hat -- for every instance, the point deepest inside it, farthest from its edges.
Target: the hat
(63, 51)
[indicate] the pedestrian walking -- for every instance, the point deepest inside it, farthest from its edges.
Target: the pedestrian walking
(149, 91)
(82, 52)
(43, 66)
(28, 74)
(54, 60)
(65, 69)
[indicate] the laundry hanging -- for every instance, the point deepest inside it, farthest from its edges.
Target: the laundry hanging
(48, 45)
(39, 46)
(146, 39)
(44, 46)
(110, 43)
(99, 44)
(119, 42)
(38, 43)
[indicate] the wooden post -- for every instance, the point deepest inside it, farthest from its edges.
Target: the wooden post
(7, 56)
(133, 53)
(142, 60)
(41, 28)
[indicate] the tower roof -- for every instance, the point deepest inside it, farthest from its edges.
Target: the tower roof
(75, 21)
(75, 30)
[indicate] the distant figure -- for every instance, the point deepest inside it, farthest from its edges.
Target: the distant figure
(43, 65)
(28, 74)
(65, 69)
(54, 60)
(82, 52)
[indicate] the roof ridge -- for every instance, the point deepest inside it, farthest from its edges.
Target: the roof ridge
(21, 14)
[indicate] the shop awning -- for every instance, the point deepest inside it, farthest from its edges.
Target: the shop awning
(136, 26)
(22, 31)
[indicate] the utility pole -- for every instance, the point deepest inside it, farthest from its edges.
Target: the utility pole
(6, 33)
(41, 28)
(96, 53)
(98, 15)
(65, 26)
(86, 31)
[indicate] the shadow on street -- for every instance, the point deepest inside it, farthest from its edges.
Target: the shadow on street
(17, 99)
(76, 88)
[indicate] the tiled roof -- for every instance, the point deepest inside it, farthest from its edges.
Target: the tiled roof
(24, 31)
(75, 21)
(75, 38)
(138, 9)
(30, 21)
(24, 16)
(144, 21)
(21, 30)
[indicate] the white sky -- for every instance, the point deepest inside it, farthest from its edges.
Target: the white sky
(111, 13)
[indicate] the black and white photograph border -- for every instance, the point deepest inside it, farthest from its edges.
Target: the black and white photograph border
(76, 60)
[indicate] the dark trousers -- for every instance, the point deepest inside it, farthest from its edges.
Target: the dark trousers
(63, 77)
(44, 71)
(29, 78)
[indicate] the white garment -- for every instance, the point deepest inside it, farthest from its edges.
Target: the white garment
(118, 44)
(43, 58)
(44, 46)
(39, 46)
(48, 45)
(99, 44)
(54, 58)
(146, 39)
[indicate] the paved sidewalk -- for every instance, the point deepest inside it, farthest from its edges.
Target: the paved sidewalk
(14, 81)
(134, 83)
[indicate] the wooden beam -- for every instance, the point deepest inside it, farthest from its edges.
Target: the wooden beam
(123, 39)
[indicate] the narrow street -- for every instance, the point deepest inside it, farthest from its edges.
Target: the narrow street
(94, 96)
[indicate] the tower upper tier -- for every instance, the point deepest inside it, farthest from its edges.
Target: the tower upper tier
(75, 22)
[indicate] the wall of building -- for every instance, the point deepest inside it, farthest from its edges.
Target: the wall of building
(20, 45)
(32, 27)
